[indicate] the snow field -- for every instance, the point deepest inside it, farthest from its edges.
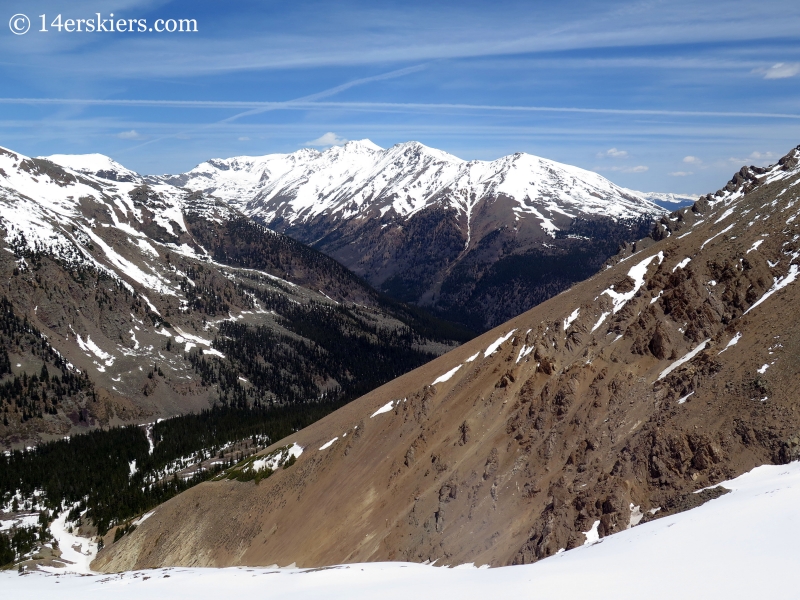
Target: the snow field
(740, 545)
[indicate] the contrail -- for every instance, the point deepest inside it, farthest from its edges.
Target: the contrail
(265, 107)
(311, 102)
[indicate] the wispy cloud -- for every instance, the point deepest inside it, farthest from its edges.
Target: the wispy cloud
(308, 103)
(129, 135)
(266, 107)
(387, 34)
(692, 160)
(681, 173)
(613, 153)
(244, 138)
(636, 169)
(781, 70)
(327, 139)
(755, 157)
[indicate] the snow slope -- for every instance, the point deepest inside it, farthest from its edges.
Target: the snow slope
(741, 545)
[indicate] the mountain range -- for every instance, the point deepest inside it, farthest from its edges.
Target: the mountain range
(127, 300)
(625, 399)
(477, 242)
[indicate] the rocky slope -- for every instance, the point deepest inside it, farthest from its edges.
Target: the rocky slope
(477, 241)
(148, 300)
(672, 369)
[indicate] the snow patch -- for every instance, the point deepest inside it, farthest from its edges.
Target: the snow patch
(686, 358)
(637, 273)
(571, 318)
(734, 340)
(779, 284)
(681, 264)
(593, 535)
(600, 321)
(328, 444)
(497, 343)
(446, 376)
(383, 409)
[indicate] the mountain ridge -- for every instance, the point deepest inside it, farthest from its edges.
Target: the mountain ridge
(474, 241)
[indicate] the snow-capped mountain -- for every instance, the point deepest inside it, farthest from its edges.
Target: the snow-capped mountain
(431, 228)
(122, 277)
(360, 179)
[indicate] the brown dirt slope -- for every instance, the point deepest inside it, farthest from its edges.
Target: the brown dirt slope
(518, 453)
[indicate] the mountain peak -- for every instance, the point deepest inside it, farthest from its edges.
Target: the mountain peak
(93, 164)
(364, 144)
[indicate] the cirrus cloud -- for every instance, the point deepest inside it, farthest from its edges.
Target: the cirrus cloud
(781, 70)
(129, 135)
(636, 169)
(613, 153)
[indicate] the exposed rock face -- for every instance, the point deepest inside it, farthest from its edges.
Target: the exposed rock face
(671, 375)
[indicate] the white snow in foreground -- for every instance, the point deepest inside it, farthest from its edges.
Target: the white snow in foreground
(763, 369)
(446, 376)
(383, 409)
(473, 357)
(497, 343)
(779, 284)
(684, 359)
(328, 444)
(755, 246)
(741, 545)
(571, 318)
(682, 264)
(734, 340)
(637, 273)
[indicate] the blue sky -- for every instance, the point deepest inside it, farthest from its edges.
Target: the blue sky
(657, 96)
